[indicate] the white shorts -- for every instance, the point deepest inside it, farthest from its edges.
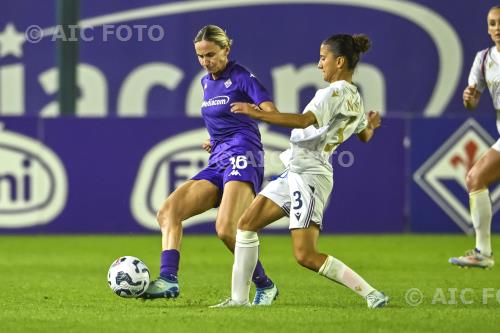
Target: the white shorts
(496, 146)
(303, 197)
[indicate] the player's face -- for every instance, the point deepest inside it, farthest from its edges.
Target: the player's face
(211, 56)
(327, 63)
(494, 25)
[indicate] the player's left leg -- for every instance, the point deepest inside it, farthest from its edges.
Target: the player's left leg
(485, 172)
(237, 197)
(261, 212)
(305, 251)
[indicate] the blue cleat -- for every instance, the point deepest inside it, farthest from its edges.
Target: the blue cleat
(265, 296)
(162, 288)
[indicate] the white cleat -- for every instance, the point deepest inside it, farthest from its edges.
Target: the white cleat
(265, 296)
(376, 299)
(473, 258)
(230, 303)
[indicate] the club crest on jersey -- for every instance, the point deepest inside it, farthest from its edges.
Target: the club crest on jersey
(442, 176)
(228, 83)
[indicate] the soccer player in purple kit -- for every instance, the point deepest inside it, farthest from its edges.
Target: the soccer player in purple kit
(235, 167)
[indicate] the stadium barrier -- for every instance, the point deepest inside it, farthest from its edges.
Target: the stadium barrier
(68, 175)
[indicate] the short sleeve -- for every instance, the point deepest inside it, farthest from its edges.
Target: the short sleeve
(254, 89)
(324, 107)
(476, 75)
(363, 123)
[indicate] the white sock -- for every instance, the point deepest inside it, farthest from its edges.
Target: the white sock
(337, 271)
(480, 209)
(246, 254)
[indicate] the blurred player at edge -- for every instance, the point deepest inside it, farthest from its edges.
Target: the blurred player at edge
(485, 72)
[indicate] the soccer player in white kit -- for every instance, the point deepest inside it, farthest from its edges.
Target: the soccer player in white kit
(301, 192)
(485, 72)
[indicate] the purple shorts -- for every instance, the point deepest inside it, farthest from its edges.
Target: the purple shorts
(235, 168)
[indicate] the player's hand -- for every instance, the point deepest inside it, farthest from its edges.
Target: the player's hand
(250, 110)
(471, 96)
(374, 119)
(207, 146)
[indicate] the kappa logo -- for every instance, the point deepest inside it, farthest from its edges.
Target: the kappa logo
(442, 176)
(235, 173)
(33, 182)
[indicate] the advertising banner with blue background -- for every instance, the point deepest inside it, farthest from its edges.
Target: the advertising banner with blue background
(111, 175)
(137, 57)
(443, 150)
(137, 130)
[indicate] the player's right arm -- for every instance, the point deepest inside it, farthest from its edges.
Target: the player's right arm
(471, 97)
(290, 120)
(476, 81)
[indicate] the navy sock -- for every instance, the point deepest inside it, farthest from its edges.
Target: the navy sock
(169, 265)
(260, 278)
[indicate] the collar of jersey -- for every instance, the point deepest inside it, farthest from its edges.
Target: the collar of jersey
(226, 72)
(344, 82)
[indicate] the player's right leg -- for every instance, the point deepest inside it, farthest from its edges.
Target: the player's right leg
(485, 172)
(309, 195)
(304, 248)
(192, 198)
(261, 212)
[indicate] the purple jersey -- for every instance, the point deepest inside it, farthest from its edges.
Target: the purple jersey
(232, 134)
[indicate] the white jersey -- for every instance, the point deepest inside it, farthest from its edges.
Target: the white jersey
(339, 113)
(488, 75)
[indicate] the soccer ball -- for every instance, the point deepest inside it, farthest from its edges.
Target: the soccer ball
(128, 277)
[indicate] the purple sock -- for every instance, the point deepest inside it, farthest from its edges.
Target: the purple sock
(260, 278)
(169, 265)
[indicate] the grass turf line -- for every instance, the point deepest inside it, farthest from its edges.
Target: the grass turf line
(58, 283)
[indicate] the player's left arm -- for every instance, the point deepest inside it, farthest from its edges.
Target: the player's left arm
(374, 122)
(290, 120)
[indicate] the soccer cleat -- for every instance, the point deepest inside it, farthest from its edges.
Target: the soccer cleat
(473, 258)
(161, 288)
(265, 296)
(230, 303)
(376, 299)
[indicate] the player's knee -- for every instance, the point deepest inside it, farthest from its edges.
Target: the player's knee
(244, 222)
(247, 222)
(166, 214)
(474, 181)
(225, 232)
(304, 258)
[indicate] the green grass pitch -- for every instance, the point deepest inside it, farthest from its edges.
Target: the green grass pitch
(58, 284)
